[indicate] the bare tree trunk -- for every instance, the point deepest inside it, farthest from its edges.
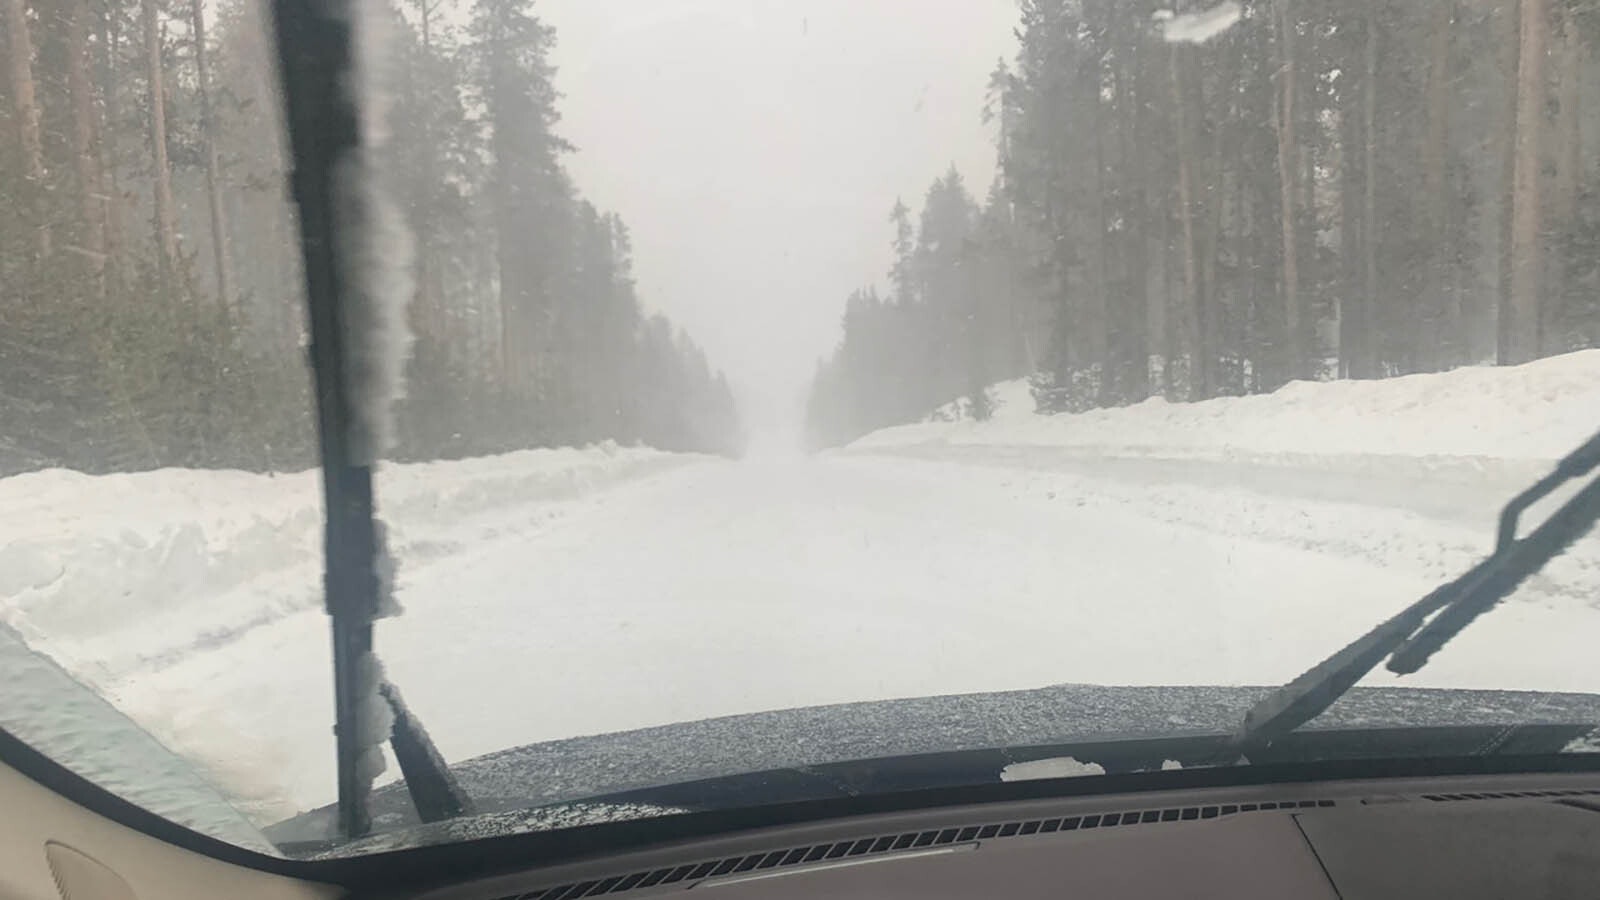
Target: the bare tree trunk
(284, 324)
(208, 130)
(109, 155)
(1369, 200)
(1510, 41)
(429, 296)
(1522, 335)
(1433, 323)
(1562, 204)
(19, 52)
(1135, 318)
(1199, 367)
(1168, 309)
(1283, 119)
(1100, 331)
(166, 228)
(1312, 106)
(1351, 289)
(1569, 130)
(85, 155)
(1227, 139)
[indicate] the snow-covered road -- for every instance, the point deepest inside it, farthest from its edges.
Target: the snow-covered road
(718, 587)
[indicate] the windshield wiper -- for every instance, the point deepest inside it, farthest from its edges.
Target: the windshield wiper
(1410, 638)
(315, 42)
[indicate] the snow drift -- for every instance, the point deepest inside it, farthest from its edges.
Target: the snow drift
(1533, 412)
(112, 573)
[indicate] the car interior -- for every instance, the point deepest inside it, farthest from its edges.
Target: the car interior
(1407, 834)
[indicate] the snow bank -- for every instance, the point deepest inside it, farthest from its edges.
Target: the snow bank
(112, 573)
(1537, 411)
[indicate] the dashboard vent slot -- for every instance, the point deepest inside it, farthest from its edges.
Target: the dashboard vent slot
(1509, 795)
(917, 840)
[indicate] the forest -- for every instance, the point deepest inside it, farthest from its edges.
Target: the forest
(1316, 190)
(151, 299)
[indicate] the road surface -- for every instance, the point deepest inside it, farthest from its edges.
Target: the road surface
(717, 588)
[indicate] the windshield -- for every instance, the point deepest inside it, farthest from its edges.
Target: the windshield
(761, 385)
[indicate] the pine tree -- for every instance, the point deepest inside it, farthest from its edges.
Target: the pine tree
(1347, 180)
(132, 353)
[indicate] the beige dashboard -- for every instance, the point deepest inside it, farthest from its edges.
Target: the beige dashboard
(46, 838)
(1525, 835)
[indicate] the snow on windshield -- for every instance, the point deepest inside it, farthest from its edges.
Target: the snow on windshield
(1198, 27)
(376, 246)
(845, 363)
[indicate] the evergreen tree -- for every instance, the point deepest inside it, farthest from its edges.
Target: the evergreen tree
(149, 267)
(1356, 188)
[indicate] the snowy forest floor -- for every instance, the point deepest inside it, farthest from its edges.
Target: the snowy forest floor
(612, 589)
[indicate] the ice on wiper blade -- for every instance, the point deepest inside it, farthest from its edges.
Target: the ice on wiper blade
(1410, 638)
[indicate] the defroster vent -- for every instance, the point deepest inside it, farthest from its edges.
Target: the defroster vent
(891, 843)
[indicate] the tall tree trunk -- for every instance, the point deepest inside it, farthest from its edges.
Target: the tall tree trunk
(208, 129)
(430, 276)
(1510, 44)
(110, 158)
(1137, 207)
(283, 323)
(1199, 367)
(1227, 144)
(166, 229)
(1101, 333)
(1563, 200)
(1434, 324)
(1251, 203)
(1569, 127)
(1351, 288)
(1522, 335)
(92, 198)
(1369, 200)
(1283, 119)
(25, 109)
(1312, 109)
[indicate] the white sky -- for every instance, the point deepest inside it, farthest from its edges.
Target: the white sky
(755, 147)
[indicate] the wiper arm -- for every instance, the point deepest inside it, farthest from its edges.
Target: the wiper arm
(315, 57)
(432, 786)
(1515, 559)
(1409, 639)
(315, 43)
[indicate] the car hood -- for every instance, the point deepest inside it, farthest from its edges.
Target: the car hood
(810, 752)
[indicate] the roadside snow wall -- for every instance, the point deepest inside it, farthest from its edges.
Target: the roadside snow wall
(1533, 412)
(111, 573)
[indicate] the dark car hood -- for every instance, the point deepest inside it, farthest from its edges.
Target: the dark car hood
(810, 752)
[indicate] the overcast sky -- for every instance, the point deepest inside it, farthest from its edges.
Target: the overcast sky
(755, 147)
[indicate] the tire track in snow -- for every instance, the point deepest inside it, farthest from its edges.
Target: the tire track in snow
(1435, 528)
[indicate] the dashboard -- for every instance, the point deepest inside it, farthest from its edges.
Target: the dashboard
(1458, 837)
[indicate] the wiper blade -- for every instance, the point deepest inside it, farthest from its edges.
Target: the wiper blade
(1410, 638)
(315, 62)
(315, 43)
(433, 787)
